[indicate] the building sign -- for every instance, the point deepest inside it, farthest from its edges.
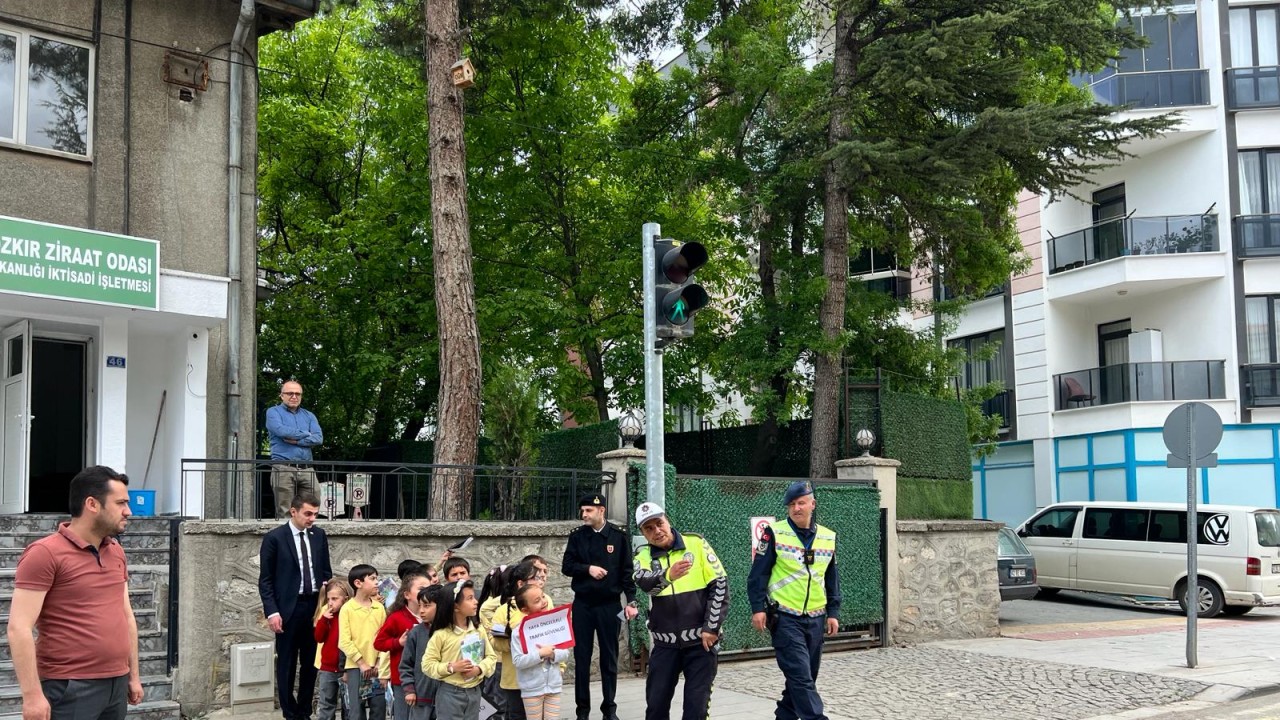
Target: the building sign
(73, 264)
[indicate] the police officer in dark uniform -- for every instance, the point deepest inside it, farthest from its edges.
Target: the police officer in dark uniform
(598, 560)
(794, 590)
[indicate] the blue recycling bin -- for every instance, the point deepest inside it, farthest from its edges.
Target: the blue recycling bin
(142, 502)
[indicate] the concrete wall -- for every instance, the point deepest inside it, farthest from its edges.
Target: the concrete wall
(947, 580)
(218, 581)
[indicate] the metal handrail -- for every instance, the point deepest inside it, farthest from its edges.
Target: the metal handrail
(1141, 382)
(1121, 237)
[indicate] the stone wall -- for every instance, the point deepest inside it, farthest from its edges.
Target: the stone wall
(947, 579)
(218, 581)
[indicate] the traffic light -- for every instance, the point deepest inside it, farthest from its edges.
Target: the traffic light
(676, 296)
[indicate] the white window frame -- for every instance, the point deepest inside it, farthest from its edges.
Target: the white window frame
(21, 62)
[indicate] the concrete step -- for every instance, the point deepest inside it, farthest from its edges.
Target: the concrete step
(139, 576)
(9, 557)
(157, 710)
(153, 664)
(140, 596)
(44, 524)
(132, 540)
(149, 641)
(154, 688)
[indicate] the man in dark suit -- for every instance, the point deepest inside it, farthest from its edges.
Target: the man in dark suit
(295, 565)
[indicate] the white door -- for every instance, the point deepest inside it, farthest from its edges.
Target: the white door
(15, 400)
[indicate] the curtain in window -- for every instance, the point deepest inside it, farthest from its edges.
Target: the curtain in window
(8, 84)
(1273, 183)
(1250, 182)
(1241, 38)
(1257, 329)
(1268, 46)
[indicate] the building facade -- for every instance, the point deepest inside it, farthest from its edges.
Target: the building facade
(1157, 284)
(127, 245)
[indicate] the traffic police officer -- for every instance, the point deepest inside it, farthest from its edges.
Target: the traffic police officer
(689, 595)
(795, 577)
(598, 560)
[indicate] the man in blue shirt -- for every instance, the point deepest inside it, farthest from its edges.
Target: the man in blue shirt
(293, 432)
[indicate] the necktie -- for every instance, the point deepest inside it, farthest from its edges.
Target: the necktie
(306, 565)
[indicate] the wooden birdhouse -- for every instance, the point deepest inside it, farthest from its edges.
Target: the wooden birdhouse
(464, 73)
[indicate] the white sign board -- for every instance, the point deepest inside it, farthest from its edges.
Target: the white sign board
(552, 627)
(758, 524)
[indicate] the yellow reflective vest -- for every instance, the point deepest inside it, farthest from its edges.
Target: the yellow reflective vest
(796, 587)
(684, 608)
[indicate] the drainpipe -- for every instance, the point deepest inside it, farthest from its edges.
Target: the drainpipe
(235, 133)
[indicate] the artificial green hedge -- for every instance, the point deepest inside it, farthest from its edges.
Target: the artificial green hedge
(933, 499)
(577, 447)
(720, 510)
(929, 436)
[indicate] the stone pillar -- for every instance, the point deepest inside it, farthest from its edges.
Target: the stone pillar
(614, 464)
(883, 474)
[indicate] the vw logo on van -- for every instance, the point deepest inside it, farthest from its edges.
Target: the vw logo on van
(1217, 530)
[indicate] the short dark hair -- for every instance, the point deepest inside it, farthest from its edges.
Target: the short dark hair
(92, 482)
(452, 563)
(305, 497)
(408, 566)
(361, 572)
(522, 602)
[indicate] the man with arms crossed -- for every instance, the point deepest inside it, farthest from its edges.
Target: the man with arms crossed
(294, 566)
(73, 587)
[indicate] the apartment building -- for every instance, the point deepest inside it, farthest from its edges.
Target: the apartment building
(1159, 283)
(127, 244)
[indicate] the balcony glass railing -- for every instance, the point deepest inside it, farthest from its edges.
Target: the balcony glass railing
(1140, 382)
(1257, 235)
(1133, 236)
(1262, 385)
(1157, 89)
(999, 405)
(1253, 87)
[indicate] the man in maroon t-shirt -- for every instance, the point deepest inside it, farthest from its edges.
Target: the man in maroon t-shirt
(73, 586)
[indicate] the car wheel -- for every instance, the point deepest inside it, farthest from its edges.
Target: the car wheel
(1046, 593)
(1237, 610)
(1210, 598)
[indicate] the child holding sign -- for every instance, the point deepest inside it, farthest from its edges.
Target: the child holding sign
(537, 668)
(458, 653)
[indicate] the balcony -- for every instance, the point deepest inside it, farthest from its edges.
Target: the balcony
(1001, 405)
(1141, 382)
(1156, 89)
(1251, 88)
(1261, 385)
(1168, 235)
(1257, 235)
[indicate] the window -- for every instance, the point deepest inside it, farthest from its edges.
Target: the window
(1115, 524)
(46, 88)
(1060, 522)
(1171, 526)
(1172, 44)
(1261, 331)
(872, 260)
(985, 359)
(1259, 181)
(1268, 526)
(1254, 36)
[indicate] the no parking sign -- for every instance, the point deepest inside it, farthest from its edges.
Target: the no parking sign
(758, 525)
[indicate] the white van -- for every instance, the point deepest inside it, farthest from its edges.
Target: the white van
(1135, 548)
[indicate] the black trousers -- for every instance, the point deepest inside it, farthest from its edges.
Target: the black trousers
(600, 622)
(665, 667)
(100, 699)
(296, 647)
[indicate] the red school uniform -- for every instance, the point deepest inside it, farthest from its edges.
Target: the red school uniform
(388, 638)
(327, 652)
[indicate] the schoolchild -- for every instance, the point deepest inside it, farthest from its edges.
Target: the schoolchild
(538, 669)
(455, 569)
(418, 690)
(395, 630)
(358, 625)
(458, 654)
(333, 595)
(506, 616)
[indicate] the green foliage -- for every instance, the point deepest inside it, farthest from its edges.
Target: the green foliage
(577, 447)
(513, 416)
(720, 509)
(933, 499)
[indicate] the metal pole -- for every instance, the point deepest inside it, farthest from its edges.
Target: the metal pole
(1193, 579)
(655, 467)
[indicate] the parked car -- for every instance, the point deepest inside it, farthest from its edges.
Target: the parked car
(1140, 549)
(1016, 567)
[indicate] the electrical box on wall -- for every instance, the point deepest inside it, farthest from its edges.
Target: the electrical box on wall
(253, 673)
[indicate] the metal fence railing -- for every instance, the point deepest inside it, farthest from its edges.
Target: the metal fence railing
(404, 491)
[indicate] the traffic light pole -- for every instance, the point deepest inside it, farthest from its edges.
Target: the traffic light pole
(655, 464)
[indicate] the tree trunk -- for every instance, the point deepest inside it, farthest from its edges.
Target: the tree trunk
(595, 367)
(835, 264)
(458, 416)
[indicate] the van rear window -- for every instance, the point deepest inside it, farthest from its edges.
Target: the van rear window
(1268, 524)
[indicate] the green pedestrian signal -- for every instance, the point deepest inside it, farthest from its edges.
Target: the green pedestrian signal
(676, 296)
